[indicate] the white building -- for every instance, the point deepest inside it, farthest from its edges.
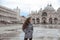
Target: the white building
(46, 16)
(8, 15)
(48, 21)
(18, 13)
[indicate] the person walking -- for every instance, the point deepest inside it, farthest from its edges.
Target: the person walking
(28, 29)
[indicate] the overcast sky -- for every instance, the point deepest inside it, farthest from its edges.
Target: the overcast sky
(29, 5)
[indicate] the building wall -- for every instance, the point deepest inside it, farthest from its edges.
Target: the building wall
(8, 15)
(18, 13)
(51, 15)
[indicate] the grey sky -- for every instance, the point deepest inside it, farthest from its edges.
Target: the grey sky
(29, 5)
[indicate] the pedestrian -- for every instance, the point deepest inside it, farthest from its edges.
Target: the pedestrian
(28, 29)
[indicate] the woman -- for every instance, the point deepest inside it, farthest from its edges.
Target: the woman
(28, 29)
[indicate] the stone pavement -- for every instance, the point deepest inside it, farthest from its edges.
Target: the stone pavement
(15, 33)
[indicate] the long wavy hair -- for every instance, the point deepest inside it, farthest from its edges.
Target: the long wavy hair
(26, 23)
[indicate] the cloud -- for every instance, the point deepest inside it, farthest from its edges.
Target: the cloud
(29, 5)
(0, 2)
(37, 4)
(9, 3)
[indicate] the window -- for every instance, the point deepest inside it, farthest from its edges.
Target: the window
(55, 19)
(44, 14)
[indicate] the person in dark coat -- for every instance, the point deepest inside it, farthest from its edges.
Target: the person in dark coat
(28, 29)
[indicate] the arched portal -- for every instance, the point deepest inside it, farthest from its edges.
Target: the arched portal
(50, 20)
(44, 20)
(55, 20)
(38, 20)
(33, 21)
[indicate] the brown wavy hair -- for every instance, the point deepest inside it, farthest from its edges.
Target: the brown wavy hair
(26, 23)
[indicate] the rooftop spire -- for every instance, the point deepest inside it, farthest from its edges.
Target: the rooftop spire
(49, 5)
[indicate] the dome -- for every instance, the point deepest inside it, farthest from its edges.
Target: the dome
(58, 9)
(49, 8)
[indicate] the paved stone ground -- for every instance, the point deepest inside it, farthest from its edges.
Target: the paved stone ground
(14, 32)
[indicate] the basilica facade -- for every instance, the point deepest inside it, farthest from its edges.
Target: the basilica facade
(48, 19)
(48, 15)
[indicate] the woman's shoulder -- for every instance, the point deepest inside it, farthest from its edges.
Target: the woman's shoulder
(30, 24)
